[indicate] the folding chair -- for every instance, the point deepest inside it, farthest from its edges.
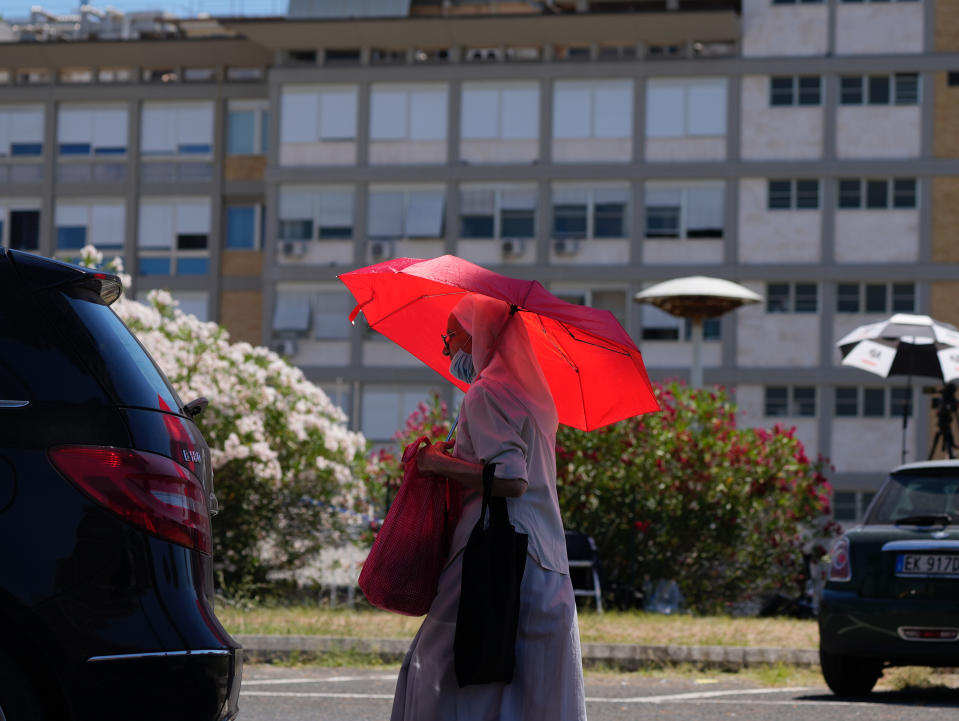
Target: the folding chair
(584, 566)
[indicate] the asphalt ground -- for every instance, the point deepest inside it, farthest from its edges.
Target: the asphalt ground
(275, 693)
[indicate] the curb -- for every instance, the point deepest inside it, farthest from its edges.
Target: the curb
(625, 656)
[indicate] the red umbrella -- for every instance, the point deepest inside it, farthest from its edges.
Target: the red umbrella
(594, 370)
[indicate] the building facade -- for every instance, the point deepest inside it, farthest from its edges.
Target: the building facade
(809, 150)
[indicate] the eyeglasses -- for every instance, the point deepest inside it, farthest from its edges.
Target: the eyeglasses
(446, 340)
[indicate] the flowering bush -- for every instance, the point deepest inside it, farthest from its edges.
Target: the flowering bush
(384, 468)
(729, 513)
(288, 473)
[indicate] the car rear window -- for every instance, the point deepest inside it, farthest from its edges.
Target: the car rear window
(121, 362)
(919, 495)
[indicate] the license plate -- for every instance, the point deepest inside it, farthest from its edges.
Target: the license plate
(927, 564)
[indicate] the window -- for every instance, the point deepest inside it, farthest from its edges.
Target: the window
(878, 194)
(877, 402)
(792, 298)
(676, 211)
(792, 195)
(240, 75)
(327, 209)
(243, 227)
(611, 299)
(408, 112)
(496, 111)
(795, 90)
(876, 298)
(115, 75)
(896, 89)
(795, 2)
(318, 113)
(21, 131)
(900, 402)
(384, 410)
(660, 325)
(177, 129)
(84, 130)
(677, 108)
(497, 213)
(594, 109)
(247, 129)
(844, 506)
(319, 312)
(786, 401)
(98, 223)
(580, 213)
(406, 213)
(173, 236)
(25, 229)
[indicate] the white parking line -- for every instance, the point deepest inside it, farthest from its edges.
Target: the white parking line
(696, 696)
(307, 694)
(331, 679)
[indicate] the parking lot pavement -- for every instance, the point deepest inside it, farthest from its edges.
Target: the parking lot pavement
(271, 693)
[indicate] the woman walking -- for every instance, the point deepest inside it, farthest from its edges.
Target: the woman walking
(508, 418)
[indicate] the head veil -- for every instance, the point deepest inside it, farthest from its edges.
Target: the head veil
(502, 352)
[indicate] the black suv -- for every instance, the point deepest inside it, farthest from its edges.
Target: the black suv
(106, 577)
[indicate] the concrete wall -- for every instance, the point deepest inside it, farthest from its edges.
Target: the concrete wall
(868, 444)
(777, 133)
(784, 29)
(877, 236)
(878, 132)
(880, 28)
(775, 236)
(775, 339)
(683, 251)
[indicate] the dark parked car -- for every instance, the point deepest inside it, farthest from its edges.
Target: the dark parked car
(892, 596)
(106, 577)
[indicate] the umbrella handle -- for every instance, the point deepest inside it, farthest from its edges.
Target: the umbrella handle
(455, 423)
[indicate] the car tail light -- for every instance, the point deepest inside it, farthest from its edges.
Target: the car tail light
(841, 568)
(921, 633)
(146, 489)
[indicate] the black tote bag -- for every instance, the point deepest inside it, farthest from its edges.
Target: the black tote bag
(484, 648)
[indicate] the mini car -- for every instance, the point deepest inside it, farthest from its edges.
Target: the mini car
(106, 488)
(892, 592)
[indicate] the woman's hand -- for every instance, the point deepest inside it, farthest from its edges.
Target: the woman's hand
(433, 458)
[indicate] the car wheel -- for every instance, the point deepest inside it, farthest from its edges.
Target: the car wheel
(849, 675)
(18, 701)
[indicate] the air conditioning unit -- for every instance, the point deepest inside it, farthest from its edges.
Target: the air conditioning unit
(285, 347)
(381, 249)
(566, 246)
(512, 247)
(293, 248)
(483, 55)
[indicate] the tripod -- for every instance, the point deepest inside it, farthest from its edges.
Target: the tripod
(946, 406)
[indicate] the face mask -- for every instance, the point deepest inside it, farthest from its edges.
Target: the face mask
(461, 366)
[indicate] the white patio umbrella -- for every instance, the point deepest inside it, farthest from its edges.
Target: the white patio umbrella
(696, 298)
(904, 345)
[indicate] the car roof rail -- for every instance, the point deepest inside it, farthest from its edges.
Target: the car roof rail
(44, 273)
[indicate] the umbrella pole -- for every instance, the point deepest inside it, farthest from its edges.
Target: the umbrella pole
(906, 407)
(696, 333)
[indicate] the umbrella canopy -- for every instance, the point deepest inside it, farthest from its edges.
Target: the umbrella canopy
(906, 345)
(594, 370)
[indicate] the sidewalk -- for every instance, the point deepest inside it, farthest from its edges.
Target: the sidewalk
(623, 656)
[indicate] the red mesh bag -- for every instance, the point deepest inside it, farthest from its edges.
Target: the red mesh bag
(403, 568)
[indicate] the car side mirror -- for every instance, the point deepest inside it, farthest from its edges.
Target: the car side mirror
(196, 407)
